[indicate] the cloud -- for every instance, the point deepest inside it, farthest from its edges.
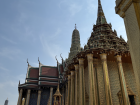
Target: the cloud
(56, 33)
(34, 64)
(8, 40)
(74, 8)
(10, 53)
(61, 2)
(3, 68)
(49, 46)
(91, 6)
(12, 81)
(9, 88)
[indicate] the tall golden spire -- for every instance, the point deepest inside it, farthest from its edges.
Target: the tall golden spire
(100, 15)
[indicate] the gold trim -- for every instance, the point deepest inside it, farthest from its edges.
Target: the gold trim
(123, 15)
(127, 6)
(137, 11)
(118, 11)
(121, 3)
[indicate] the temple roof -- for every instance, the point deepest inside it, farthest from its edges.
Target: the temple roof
(103, 37)
(43, 76)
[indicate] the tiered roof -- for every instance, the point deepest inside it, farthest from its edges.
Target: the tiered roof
(102, 40)
(103, 37)
(43, 75)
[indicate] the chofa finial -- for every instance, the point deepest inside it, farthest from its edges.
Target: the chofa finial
(61, 56)
(27, 62)
(38, 60)
(56, 59)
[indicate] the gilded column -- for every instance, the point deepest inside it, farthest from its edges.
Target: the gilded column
(69, 83)
(106, 79)
(39, 96)
(96, 80)
(23, 101)
(28, 97)
(122, 81)
(72, 88)
(81, 82)
(91, 80)
(76, 83)
(51, 95)
(20, 97)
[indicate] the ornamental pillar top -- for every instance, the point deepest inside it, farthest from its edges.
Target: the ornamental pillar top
(103, 56)
(72, 73)
(118, 57)
(90, 57)
(68, 77)
(81, 60)
(76, 67)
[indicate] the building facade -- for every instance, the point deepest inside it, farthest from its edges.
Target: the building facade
(101, 73)
(129, 10)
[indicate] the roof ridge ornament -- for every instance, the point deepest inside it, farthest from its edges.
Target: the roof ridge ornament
(27, 62)
(38, 60)
(61, 56)
(56, 59)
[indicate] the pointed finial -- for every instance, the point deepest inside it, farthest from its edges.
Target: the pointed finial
(99, 2)
(19, 82)
(38, 60)
(56, 59)
(27, 62)
(75, 26)
(61, 56)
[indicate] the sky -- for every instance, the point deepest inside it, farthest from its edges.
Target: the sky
(43, 28)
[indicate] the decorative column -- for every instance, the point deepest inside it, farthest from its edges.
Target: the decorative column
(76, 83)
(39, 96)
(122, 81)
(51, 95)
(96, 80)
(72, 88)
(69, 91)
(28, 97)
(23, 101)
(20, 97)
(81, 82)
(91, 80)
(106, 79)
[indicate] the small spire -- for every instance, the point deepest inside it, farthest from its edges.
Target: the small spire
(100, 15)
(75, 26)
(19, 82)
